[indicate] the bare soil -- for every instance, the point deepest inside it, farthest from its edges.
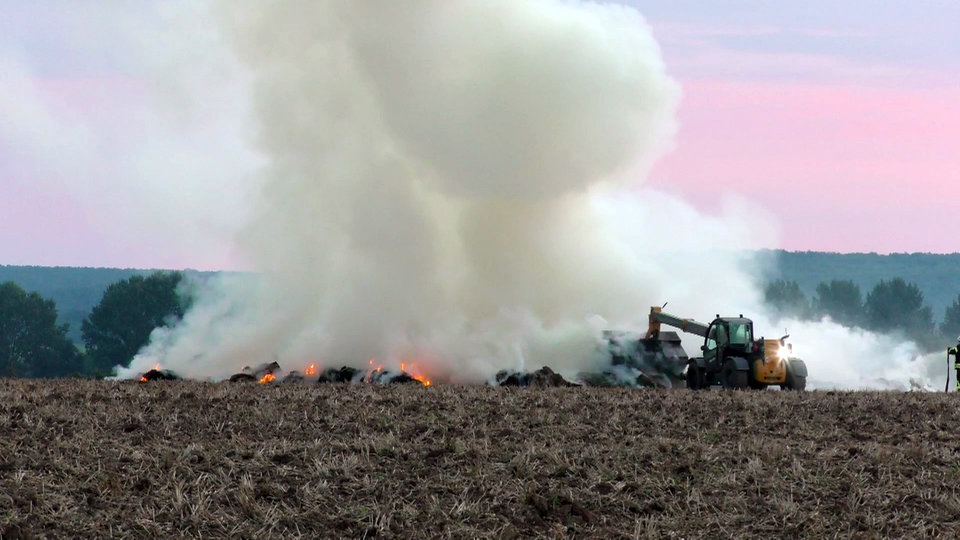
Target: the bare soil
(179, 458)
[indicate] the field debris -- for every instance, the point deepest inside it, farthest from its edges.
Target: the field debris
(472, 461)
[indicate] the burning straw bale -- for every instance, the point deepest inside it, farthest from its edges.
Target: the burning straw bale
(262, 373)
(358, 460)
(159, 375)
(386, 376)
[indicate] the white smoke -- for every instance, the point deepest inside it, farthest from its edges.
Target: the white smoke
(453, 184)
(840, 357)
(135, 135)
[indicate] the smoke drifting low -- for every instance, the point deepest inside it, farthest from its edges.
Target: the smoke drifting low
(451, 183)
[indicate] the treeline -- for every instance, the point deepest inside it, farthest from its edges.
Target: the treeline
(936, 274)
(77, 289)
(33, 344)
(893, 306)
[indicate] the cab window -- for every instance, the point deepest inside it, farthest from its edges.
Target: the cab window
(712, 338)
(740, 334)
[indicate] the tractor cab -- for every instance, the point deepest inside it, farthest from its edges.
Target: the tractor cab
(727, 336)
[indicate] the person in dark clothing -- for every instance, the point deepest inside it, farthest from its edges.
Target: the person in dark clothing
(955, 353)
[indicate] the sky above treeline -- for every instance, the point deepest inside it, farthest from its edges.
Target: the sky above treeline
(838, 119)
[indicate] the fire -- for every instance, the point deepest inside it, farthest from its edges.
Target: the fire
(312, 370)
(417, 376)
(267, 378)
(143, 378)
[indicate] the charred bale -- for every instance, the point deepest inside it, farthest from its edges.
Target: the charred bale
(385, 376)
(159, 375)
(539, 378)
(262, 369)
(293, 377)
(243, 377)
(511, 378)
(342, 375)
(547, 377)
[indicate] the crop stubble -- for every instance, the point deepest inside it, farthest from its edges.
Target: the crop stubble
(122, 459)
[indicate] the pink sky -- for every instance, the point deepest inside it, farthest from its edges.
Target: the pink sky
(844, 168)
(842, 121)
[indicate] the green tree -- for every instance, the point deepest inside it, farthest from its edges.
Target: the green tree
(841, 300)
(898, 305)
(31, 343)
(785, 298)
(950, 327)
(120, 325)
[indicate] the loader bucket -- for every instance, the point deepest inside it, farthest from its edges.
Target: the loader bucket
(661, 359)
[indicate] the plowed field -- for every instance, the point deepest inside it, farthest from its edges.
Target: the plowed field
(172, 459)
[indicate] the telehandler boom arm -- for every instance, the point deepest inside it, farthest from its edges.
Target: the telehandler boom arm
(657, 317)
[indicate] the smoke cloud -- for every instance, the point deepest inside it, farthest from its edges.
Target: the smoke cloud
(111, 108)
(456, 185)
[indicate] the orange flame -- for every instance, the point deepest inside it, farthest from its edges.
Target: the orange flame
(267, 378)
(156, 367)
(312, 370)
(416, 376)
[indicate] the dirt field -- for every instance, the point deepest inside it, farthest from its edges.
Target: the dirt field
(165, 459)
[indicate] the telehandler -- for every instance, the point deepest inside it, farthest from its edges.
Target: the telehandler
(730, 356)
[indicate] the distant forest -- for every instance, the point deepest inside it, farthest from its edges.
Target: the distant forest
(936, 275)
(75, 290)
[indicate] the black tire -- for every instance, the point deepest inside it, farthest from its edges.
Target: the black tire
(794, 382)
(732, 378)
(694, 376)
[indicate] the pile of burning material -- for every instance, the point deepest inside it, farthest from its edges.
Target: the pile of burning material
(309, 374)
(386, 376)
(627, 376)
(263, 373)
(378, 375)
(267, 373)
(638, 361)
(615, 376)
(157, 374)
(539, 378)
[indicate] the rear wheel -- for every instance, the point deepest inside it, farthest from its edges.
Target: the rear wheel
(694, 376)
(732, 378)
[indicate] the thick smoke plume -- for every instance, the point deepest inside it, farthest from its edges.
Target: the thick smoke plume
(436, 188)
(451, 184)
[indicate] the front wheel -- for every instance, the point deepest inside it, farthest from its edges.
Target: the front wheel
(794, 382)
(732, 378)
